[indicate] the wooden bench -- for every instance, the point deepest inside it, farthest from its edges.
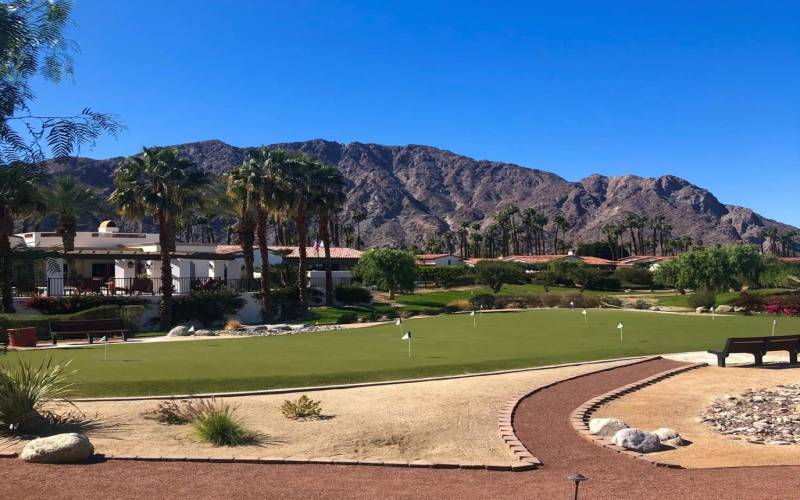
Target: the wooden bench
(72, 329)
(758, 347)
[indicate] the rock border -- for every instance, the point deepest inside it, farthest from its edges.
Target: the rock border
(505, 420)
(579, 418)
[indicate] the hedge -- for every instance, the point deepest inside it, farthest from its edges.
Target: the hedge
(42, 322)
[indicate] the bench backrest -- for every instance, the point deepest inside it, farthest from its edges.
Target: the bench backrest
(87, 325)
(745, 344)
(782, 342)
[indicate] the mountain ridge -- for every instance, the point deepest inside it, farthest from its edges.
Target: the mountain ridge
(415, 192)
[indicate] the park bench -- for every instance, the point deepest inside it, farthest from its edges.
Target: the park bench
(758, 347)
(91, 328)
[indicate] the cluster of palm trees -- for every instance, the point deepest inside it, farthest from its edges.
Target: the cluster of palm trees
(782, 244)
(645, 236)
(270, 189)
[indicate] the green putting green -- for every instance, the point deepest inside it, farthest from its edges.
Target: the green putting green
(440, 346)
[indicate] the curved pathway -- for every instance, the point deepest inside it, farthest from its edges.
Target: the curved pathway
(541, 421)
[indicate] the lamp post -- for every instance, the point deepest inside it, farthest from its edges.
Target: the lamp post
(577, 478)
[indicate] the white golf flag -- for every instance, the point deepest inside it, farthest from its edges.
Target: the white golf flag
(104, 339)
(191, 329)
(398, 322)
(472, 313)
(406, 336)
(620, 326)
(584, 312)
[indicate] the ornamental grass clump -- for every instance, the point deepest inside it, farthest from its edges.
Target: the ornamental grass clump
(25, 390)
(216, 423)
(302, 408)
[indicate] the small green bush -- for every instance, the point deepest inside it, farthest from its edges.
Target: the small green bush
(635, 276)
(353, 295)
(171, 412)
(482, 301)
(301, 408)
(446, 276)
(703, 298)
(216, 423)
(77, 303)
(612, 300)
(348, 317)
(642, 304)
(749, 302)
(206, 306)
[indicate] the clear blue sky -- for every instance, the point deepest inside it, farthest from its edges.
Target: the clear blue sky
(706, 90)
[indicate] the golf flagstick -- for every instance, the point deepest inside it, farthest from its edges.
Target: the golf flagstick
(407, 337)
(713, 316)
(585, 317)
(774, 322)
(473, 319)
(620, 327)
(104, 340)
(399, 323)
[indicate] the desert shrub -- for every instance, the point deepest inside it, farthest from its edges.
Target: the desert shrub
(578, 300)
(642, 304)
(612, 300)
(371, 317)
(410, 313)
(481, 301)
(77, 303)
(348, 317)
(171, 412)
(635, 276)
(284, 303)
(353, 295)
(551, 300)
(301, 408)
(216, 423)
(25, 388)
(446, 276)
(232, 324)
(206, 306)
(749, 302)
(703, 298)
(458, 305)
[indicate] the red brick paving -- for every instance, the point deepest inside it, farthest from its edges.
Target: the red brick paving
(542, 423)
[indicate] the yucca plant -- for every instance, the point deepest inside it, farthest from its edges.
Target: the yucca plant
(25, 388)
(216, 423)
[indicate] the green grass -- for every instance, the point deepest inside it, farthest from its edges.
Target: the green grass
(441, 345)
(722, 298)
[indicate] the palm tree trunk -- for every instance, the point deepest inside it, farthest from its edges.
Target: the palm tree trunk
(326, 243)
(261, 231)
(247, 240)
(166, 237)
(302, 230)
(6, 228)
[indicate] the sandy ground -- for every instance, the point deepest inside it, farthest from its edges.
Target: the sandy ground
(678, 401)
(446, 420)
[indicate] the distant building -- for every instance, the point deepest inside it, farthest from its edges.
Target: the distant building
(439, 259)
(650, 262)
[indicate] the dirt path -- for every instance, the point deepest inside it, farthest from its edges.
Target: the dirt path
(542, 424)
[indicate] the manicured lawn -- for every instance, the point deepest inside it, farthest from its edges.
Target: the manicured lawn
(441, 345)
(722, 298)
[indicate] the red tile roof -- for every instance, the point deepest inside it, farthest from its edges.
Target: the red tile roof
(791, 260)
(294, 252)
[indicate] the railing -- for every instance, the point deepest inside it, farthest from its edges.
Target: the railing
(64, 287)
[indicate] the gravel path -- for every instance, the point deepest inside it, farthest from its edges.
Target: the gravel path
(542, 424)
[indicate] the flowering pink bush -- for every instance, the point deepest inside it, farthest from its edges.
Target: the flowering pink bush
(787, 305)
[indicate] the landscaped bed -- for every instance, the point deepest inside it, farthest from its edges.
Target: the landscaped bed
(442, 345)
(680, 402)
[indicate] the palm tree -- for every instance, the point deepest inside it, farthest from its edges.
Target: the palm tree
(242, 190)
(559, 222)
(359, 216)
(330, 198)
(70, 200)
(159, 181)
(19, 197)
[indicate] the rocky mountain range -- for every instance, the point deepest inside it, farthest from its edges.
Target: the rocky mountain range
(412, 193)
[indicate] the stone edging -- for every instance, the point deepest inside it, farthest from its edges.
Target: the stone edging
(579, 419)
(505, 420)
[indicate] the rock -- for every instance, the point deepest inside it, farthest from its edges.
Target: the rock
(637, 440)
(670, 437)
(655, 308)
(205, 333)
(723, 309)
(59, 449)
(739, 309)
(701, 310)
(606, 427)
(179, 331)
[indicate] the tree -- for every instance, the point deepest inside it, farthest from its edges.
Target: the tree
(559, 222)
(495, 274)
(387, 269)
(330, 198)
(359, 216)
(19, 196)
(243, 192)
(70, 200)
(160, 182)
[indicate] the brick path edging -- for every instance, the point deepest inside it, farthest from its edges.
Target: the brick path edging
(505, 420)
(579, 418)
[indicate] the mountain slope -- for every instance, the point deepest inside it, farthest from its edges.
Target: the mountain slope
(412, 193)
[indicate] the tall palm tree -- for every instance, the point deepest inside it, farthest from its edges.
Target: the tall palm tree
(159, 181)
(70, 200)
(559, 222)
(330, 198)
(359, 216)
(19, 197)
(242, 190)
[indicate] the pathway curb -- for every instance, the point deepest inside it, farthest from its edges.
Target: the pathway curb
(579, 418)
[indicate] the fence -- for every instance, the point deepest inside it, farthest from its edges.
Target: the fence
(64, 287)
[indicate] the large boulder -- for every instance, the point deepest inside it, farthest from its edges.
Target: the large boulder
(723, 309)
(68, 448)
(179, 331)
(205, 333)
(637, 440)
(670, 437)
(606, 427)
(700, 310)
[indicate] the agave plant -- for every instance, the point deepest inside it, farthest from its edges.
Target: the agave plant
(26, 388)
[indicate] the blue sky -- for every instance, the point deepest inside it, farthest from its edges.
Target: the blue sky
(709, 91)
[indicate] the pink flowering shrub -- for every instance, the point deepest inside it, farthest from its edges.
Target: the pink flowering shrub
(786, 305)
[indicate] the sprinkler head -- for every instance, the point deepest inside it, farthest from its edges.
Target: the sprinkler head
(577, 478)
